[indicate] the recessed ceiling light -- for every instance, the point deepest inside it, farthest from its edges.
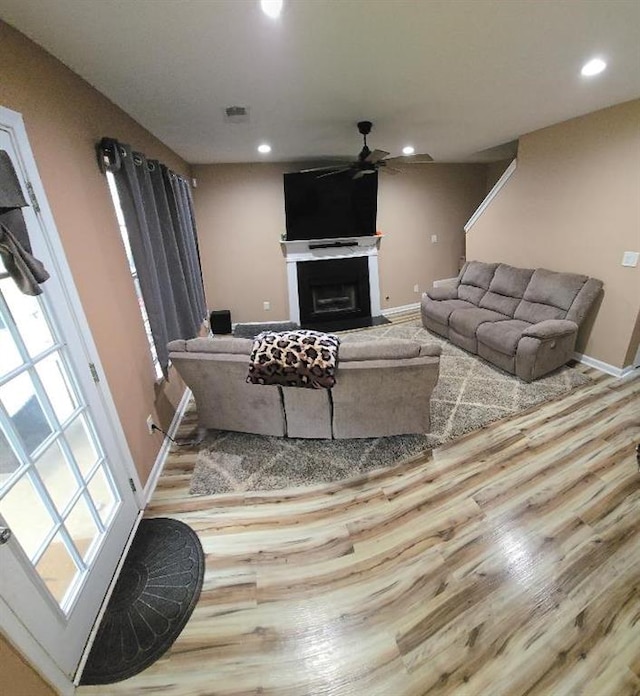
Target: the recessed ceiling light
(272, 8)
(408, 150)
(593, 67)
(264, 149)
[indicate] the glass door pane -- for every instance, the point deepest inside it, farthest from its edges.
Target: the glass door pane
(56, 493)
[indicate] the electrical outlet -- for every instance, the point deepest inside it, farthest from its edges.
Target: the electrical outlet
(434, 238)
(416, 288)
(150, 424)
(266, 306)
(630, 258)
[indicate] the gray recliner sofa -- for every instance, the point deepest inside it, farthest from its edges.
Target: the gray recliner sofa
(382, 388)
(522, 320)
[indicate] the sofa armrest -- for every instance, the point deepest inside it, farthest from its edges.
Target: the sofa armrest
(178, 346)
(551, 328)
(431, 350)
(446, 292)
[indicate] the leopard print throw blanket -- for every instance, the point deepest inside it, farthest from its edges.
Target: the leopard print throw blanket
(298, 358)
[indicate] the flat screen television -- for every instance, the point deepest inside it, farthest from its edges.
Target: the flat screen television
(325, 207)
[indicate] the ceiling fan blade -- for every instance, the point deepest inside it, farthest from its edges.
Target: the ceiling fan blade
(334, 172)
(375, 156)
(422, 158)
(363, 172)
(322, 169)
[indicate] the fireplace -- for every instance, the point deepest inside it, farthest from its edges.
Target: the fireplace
(333, 283)
(333, 290)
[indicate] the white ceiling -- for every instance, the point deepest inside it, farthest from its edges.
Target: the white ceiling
(451, 77)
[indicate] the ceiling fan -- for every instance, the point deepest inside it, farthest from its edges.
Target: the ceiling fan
(369, 161)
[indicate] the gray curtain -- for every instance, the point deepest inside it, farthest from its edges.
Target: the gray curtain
(158, 212)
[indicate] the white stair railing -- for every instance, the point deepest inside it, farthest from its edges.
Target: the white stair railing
(491, 195)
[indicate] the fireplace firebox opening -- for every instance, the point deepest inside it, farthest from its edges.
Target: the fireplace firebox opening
(333, 289)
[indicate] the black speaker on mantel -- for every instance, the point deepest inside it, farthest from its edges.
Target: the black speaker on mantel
(220, 321)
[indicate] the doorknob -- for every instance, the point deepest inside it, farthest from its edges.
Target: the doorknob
(5, 535)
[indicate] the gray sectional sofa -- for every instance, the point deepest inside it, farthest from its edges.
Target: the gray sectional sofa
(382, 388)
(522, 320)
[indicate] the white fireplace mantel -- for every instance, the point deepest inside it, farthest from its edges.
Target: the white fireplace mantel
(296, 251)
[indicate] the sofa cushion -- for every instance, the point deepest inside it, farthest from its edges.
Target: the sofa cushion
(506, 289)
(447, 292)
(556, 289)
(500, 303)
(510, 281)
(223, 344)
(588, 294)
(441, 310)
(384, 349)
(467, 321)
(471, 293)
(502, 336)
(478, 274)
(533, 312)
(475, 280)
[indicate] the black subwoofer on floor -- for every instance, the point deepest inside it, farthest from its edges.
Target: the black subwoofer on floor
(220, 321)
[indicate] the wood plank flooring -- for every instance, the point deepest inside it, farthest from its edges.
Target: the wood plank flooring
(506, 563)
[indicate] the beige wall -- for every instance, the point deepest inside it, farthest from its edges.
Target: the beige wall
(240, 213)
(494, 171)
(16, 676)
(573, 204)
(64, 118)
(425, 200)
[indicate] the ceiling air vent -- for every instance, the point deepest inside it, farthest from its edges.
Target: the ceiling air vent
(236, 114)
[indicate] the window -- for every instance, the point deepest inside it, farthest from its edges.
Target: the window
(134, 274)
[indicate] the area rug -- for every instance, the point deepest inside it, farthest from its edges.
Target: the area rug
(156, 592)
(470, 394)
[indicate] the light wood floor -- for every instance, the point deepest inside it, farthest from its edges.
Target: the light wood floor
(506, 563)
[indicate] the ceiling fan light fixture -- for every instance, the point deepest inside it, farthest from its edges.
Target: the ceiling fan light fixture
(272, 8)
(408, 150)
(593, 67)
(264, 148)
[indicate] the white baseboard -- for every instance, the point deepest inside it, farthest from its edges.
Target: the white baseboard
(603, 366)
(392, 311)
(158, 466)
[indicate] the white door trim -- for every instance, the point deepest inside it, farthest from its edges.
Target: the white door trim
(18, 132)
(10, 624)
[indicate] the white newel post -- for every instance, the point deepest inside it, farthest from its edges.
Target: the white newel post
(331, 249)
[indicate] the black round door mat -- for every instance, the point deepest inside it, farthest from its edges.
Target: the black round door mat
(154, 596)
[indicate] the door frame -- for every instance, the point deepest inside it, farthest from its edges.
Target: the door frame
(10, 624)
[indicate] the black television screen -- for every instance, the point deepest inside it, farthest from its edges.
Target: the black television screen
(321, 207)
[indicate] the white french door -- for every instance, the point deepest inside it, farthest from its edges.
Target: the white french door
(66, 504)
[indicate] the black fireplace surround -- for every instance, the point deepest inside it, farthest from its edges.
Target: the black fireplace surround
(333, 292)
